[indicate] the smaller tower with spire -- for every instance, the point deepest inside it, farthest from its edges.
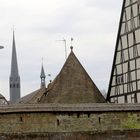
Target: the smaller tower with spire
(42, 76)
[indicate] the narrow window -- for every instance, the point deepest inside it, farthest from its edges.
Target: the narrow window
(88, 115)
(21, 119)
(58, 123)
(99, 120)
(78, 115)
(120, 79)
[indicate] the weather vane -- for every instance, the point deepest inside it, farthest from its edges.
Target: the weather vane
(71, 43)
(49, 75)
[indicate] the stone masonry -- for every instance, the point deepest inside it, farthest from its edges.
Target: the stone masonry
(56, 121)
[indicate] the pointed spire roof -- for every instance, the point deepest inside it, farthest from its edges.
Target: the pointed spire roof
(14, 64)
(72, 85)
(42, 75)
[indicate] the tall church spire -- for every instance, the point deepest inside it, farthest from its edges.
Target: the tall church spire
(14, 76)
(42, 76)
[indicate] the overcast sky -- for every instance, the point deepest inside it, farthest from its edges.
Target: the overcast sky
(39, 23)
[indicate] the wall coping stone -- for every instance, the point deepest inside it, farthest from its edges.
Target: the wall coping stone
(89, 107)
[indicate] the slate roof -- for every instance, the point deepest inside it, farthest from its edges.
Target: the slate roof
(72, 85)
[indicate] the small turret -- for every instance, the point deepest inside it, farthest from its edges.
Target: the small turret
(43, 76)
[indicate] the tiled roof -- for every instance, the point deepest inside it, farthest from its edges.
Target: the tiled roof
(33, 97)
(72, 85)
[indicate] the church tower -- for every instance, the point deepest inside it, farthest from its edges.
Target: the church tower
(14, 76)
(42, 76)
(124, 84)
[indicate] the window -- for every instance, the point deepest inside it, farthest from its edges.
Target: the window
(58, 123)
(120, 79)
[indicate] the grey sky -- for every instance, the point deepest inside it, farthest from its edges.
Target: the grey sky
(39, 23)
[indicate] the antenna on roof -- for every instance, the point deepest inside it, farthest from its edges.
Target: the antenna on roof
(65, 45)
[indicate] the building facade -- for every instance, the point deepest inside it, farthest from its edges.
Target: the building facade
(124, 84)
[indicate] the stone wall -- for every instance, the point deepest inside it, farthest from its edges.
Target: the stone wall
(109, 135)
(88, 122)
(68, 122)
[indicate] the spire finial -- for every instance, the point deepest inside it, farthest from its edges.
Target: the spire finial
(13, 35)
(42, 60)
(71, 40)
(13, 30)
(71, 47)
(13, 27)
